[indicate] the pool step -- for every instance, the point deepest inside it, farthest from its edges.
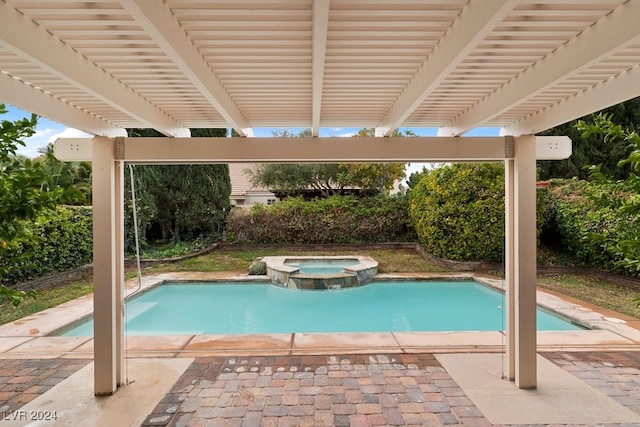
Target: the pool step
(136, 309)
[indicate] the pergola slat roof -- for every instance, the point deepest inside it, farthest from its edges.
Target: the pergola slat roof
(522, 65)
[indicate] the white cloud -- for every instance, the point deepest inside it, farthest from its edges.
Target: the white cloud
(36, 141)
(338, 132)
(70, 133)
(45, 136)
(41, 133)
(347, 134)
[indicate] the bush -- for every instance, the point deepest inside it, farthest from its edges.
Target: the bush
(337, 219)
(58, 241)
(458, 211)
(573, 214)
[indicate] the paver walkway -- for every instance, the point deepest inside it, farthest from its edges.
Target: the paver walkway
(22, 380)
(341, 390)
(615, 374)
(355, 390)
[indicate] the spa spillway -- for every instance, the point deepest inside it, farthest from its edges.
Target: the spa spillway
(320, 272)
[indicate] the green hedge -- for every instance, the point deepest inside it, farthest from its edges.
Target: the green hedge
(458, 211)
(573, 213)
(337, 219)
(57, 241)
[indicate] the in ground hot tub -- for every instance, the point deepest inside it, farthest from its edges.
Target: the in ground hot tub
(320, 272)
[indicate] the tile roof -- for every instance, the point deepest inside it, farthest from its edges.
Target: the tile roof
(240, 180)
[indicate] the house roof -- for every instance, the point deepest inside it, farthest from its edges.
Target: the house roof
(522, 65)
(241, 182)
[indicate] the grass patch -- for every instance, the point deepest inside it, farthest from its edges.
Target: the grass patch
(389, 261)
(597, 292)
(44, 299)
(173, 249)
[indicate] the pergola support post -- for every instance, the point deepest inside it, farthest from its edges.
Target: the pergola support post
(108, 267)
(520, 188)
(509, 368)
(120, 288)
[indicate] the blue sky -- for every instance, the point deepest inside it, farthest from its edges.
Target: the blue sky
(48, 131)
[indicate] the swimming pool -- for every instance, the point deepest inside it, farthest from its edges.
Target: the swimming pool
(261, 308)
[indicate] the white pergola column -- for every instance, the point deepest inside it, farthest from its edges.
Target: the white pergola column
(120, 288)
(520, 188)
(108, 263)
(509, 368)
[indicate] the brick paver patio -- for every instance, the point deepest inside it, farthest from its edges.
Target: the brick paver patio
(355, 390)
(22, 380)
(341, 390)
(615, 374)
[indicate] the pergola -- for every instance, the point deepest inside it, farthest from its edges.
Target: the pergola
(522, 65)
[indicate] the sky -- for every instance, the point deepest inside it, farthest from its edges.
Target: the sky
(47, 131)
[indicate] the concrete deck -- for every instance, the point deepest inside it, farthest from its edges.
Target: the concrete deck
(589, 377)
(560, 398)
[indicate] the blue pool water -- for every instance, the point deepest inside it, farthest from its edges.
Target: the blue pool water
(323, 266)
(225, 308)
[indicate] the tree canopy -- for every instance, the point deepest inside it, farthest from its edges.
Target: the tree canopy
(457, 211)
(378, 176)
(179, 202)
(25, 190)
(590, 149)
(327, 178)
(73, 177)
(623, 195)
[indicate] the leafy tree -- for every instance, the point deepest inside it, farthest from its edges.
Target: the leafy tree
(458, 211)
(288, 133)
(415, 178)
(378, 176)
(145, 179)
(178, 202)
(24, 190)
(623, 195)
(571, 212)
(327, 178)
(74, 177)
(590, 149)
(294, 178)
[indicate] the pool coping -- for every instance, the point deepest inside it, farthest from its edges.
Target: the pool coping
(30, 336)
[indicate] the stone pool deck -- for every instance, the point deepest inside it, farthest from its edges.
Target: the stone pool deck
(589, 377)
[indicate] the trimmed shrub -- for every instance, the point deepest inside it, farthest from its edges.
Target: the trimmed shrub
(458, 211)
(337, 219)
(57, 241)
(573, 213)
